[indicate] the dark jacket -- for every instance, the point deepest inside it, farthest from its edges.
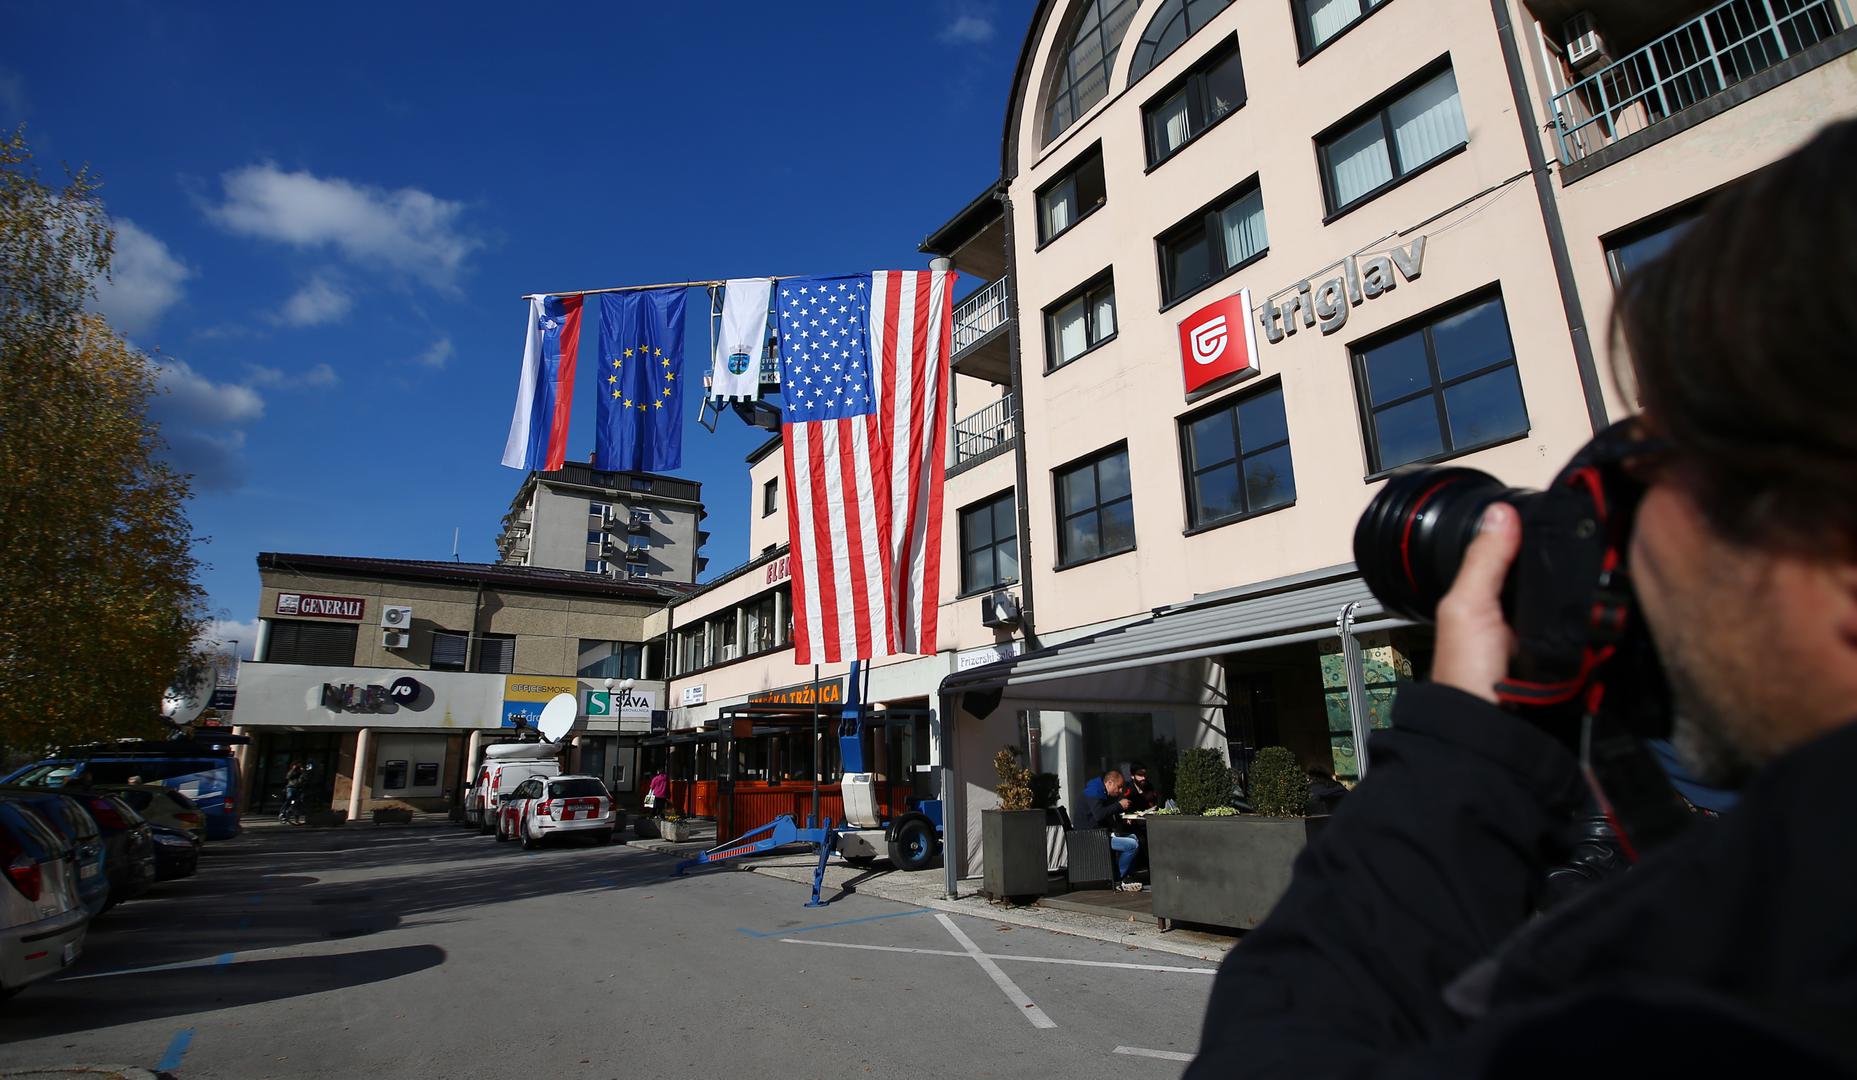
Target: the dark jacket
(1404, 947)
(1099, 809)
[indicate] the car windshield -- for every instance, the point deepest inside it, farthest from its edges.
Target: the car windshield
(576, 789)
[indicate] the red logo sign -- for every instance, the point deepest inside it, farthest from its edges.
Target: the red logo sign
(1218, 342)
(780, 569)
(328, 607)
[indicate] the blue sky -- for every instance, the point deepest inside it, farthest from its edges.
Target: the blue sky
(327, 213)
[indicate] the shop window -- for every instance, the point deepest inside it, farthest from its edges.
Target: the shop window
(1176, 21)
(1095, 508)
(1085, 56)
(496, 653)
(1392, 138)
(1211, 91)
(1237, 458)
(1446, 387)
(1077, 193)
(989, 544)
(318, 643)
(450, 649)
(1319, 22)
(1079, 322)
(758, 620)
(1212, 243)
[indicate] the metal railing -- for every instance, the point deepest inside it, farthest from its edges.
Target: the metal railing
(979, 315)
(984, 433)
(1708, 54)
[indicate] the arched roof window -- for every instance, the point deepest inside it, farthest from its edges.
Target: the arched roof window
(1084, 59)
(1176, 21)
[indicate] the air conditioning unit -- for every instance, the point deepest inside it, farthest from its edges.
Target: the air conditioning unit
(999, 609)
(637, 554)
(396, 617)
(640, 523)
(396, 639)
(1584, 45)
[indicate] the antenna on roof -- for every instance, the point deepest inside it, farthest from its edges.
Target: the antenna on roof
(454, 543)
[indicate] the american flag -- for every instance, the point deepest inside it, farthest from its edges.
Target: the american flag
(866, 381)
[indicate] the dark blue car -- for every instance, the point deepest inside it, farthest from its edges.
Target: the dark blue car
(203, 771)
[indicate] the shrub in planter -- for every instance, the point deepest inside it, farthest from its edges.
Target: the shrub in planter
(1015, 781)
(1012, 838)
(1213, 865)
(1279, 787)
(1203, 781)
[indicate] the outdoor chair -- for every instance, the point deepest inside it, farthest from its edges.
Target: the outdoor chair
(1091, 863)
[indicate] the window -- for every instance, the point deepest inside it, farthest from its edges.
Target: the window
(1176, 21)
(1320, 21)
(758, 617)
(641, 483)
(1643, 243)
(1095, 509)
(1393, 138)
(597, 514)
(1076, 194)
(496, 653)
(450, 648)
(989, 545)
(1213, 243)
(319, 643)
(1237, 459)
(691, 650)
(596, 566)
(770, 496)
(1211, 91)
(613, 660)
(1083, 62)
(1079, 322)
(1442, 389)
(783, 627)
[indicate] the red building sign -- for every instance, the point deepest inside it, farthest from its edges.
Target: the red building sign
(1218, 343)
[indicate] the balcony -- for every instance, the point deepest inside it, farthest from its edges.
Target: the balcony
(983, 434)
(1725, 45)
(980, 331)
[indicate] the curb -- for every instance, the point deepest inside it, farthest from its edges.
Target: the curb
(103, 1072)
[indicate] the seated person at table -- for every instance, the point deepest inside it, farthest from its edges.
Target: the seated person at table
(1143, 795)
(1103, 807)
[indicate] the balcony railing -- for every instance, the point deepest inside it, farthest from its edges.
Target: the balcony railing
(985, 433)
(979, 315)
(1717, 49)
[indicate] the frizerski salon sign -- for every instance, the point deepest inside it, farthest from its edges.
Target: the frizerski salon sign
(328, 607)
(1326, 306)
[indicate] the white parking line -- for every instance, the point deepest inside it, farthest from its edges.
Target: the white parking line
(1009, 956)
(1017, 996)
(1164, 1055)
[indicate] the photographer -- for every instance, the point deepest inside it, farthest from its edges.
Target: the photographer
(1407, 946)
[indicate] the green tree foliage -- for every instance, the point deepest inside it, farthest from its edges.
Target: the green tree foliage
(1279, 787)
(1015, 781)
(1202, 781)
(98, 605)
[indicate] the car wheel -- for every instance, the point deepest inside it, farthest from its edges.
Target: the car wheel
(529, 843)
(502, 831)
(913, 844)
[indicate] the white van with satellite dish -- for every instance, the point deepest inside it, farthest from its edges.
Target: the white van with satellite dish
(508, 764)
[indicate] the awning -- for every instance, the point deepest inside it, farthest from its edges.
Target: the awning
(1156, 661)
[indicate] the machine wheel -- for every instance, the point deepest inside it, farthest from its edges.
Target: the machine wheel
(913, 843)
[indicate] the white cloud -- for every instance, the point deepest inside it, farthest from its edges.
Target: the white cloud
(193, 398)
(436, 356)
(144, 280)
(408, 230)
(318, 377)
(968, 30)
(220, 634)
(318, 301)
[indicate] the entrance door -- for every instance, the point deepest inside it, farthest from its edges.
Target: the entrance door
(276, 750)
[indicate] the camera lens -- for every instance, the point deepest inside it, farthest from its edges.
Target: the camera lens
(1412, 536)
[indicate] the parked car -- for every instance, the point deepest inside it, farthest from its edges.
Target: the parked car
(508, 765)
(79, 831)
(177, 852)
(42, 917)
(201, 769)
(129, 855)
(163, 806)
(541, 807)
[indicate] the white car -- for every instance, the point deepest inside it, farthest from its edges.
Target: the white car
(42, 918)
(542, 807)
(505, 766)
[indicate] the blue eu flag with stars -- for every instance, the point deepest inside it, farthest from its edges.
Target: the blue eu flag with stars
(640, 381)
(824, 346)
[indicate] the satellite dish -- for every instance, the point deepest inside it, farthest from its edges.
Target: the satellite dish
(557, 717)
(185, 701)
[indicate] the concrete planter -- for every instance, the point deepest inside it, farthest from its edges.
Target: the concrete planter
(684, 830)
(1223, 871)
(1013, 853)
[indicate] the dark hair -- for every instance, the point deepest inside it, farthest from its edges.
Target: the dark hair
(1741, 338)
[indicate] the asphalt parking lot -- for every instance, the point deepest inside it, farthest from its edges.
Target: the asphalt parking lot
(433, 952)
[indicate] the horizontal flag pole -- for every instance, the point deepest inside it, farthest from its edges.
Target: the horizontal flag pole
(641, 288)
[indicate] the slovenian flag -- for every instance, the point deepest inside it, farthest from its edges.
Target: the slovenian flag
(545, 396)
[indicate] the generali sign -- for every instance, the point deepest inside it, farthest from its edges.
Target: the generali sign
(328, 607)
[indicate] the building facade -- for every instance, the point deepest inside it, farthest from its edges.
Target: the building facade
(638, 526)
(390, 676)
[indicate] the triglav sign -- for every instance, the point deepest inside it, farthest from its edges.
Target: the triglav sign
(1326, 305)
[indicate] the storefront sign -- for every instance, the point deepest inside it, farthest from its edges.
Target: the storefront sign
(1326, 305)
(626, 702)
(1218, 344)
(328, 607)
(349, 697)
(826, 693)
(990, 654)
(780, 569)
(524, 696)
(692, 695)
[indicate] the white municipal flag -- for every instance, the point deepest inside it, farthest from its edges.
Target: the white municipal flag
(735, 371)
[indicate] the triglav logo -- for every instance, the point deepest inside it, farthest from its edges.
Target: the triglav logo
(1209, 341)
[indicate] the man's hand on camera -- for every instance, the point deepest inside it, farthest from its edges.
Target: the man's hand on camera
(1474, 642)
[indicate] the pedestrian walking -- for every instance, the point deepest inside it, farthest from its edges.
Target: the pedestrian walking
(658, 794)
(294, 778)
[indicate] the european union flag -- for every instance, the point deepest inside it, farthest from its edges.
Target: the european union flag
(824, 346)
(640, 381)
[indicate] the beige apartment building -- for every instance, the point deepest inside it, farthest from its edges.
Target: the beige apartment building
(1244, 259)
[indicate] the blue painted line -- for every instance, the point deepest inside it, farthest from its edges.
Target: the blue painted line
(827, 926)
(177, 1051)
(224, 959)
